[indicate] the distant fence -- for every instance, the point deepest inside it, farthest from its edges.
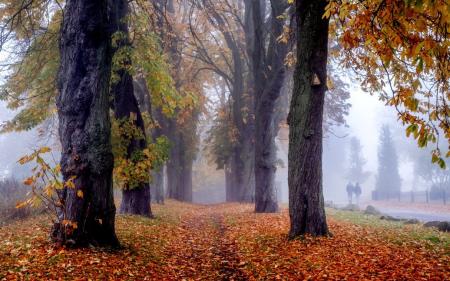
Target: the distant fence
(442, 197)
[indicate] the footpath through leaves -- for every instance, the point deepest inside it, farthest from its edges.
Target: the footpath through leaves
(230, 242)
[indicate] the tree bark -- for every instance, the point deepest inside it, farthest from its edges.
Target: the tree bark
(157, 175)
(179, 165)
(88, 211)
(229, 192)
(306, 203)
(240, 187)
(157, 185)
(269, 72)
(135, 200)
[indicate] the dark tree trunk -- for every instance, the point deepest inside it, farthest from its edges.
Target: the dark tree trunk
(157, 175)
(179, 170)
(242, 186)
(135, 200)
(173, 164)
(229, 191)
(241, 164)
(179, 165)
(84, 125)
(186, 173)
(157, 186)
(306, 203)
(269, 72)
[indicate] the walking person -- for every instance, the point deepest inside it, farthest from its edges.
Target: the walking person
(350, 193)
(357, 191)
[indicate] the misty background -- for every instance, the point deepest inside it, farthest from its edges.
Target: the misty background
(366, 117)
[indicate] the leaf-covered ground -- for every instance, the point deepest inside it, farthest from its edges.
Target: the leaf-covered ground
(230, 242)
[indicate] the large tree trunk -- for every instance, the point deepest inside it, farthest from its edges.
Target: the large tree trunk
(179, 165)
(174, 163)
(306, 204)
(135, 200)
(88, 210)
(157, 185)
(265, 150)
(241, 162)
(241, 186)
(157, 175)
(269, 72)
(229, 191)
(186, 173)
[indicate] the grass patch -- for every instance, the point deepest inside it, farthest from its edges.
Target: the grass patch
(394, 231)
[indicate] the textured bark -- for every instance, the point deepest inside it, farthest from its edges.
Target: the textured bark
(84, 125)
(241, 164)
(179, 165)
(174, 163)
(269, 72)
(242, 187)
(135, 200)
(229, 192)
(306, 203)
(157, 176)
(157, 186)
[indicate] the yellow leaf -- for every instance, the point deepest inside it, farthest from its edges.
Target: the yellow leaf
(28, 181)
(24, 160)
(80, 193)
(44, 149)
(69, 184)
(21, 204)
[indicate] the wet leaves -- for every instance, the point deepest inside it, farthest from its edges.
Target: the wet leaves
(225, 242)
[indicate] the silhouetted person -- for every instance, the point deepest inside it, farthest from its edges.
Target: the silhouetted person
(350, 192)
(357, 191)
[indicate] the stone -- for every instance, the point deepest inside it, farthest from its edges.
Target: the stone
(371, 210)
(412, 221)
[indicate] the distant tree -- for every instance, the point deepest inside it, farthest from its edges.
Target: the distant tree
(173, 21)
(135, 199)
(267, 58)
(399, 51)
(356, 171)
(388, 181)
(437, 179)
(221, 34)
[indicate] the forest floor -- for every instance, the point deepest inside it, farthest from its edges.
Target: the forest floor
(230, 242)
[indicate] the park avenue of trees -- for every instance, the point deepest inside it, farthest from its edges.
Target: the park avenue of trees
(123, 87)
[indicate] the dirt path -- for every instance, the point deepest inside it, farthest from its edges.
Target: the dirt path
(204, 250)
(229, 242)
(226, 250)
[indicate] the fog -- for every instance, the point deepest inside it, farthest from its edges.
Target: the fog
(364, 121)
(13, 146)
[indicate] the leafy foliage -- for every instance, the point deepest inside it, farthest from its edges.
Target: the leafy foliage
(221, 139)
(131, 171)
(400, 50)
(46, 187)
(30, 85)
